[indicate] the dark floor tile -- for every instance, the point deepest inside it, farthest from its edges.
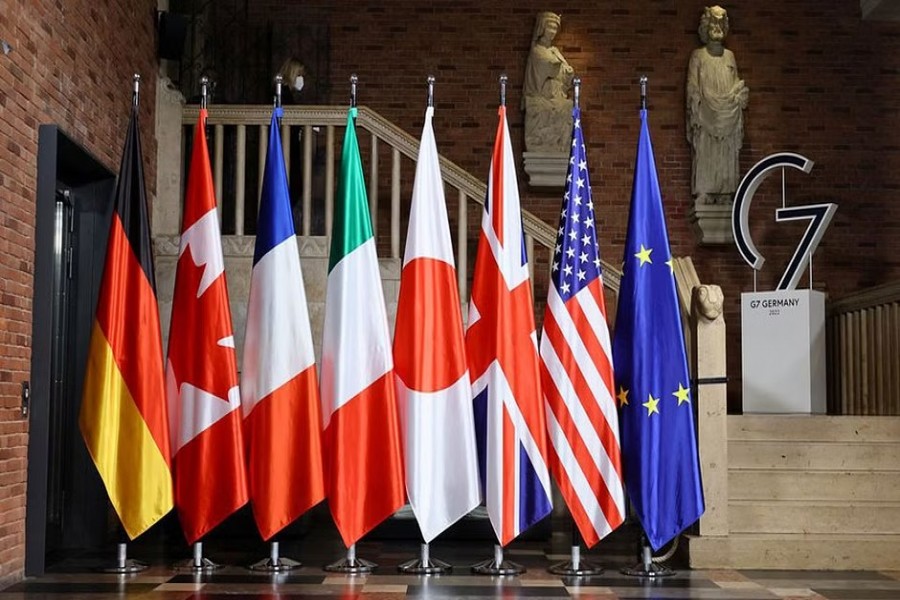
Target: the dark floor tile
(246, 578)
(272, 596)
(622, 581)
(70, 588)
(490, 591)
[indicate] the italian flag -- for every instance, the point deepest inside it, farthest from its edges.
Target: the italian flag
(363, 461)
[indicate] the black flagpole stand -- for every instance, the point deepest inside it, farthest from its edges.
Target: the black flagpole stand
(197, 564)
(275, 563)
(646, 567)
(575, 566)
(351, 565)
(424, 565)
(498, 565)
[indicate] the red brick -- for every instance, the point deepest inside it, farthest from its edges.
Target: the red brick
(53, 76)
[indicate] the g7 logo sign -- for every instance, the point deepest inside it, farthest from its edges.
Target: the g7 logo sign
(819, 216)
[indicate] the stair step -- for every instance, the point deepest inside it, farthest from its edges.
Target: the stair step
(800, 551)
(814, 456)
(837, 486)
(818, 428)
(798, 517)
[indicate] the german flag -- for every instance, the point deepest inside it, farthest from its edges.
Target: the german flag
(123, 409)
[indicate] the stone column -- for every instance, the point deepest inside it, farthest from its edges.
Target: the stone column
(169, 153)
(709, 369)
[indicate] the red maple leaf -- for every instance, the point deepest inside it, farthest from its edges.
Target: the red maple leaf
(198, 325)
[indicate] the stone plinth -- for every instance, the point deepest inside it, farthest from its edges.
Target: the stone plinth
(546, 169)
(712, 223)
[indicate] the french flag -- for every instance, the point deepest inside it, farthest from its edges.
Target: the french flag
(279, 387)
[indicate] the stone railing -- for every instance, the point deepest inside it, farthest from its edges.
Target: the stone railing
(311, 136)
(705, 337)
(863, 331)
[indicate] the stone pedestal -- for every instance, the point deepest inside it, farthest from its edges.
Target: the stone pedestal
(783, 351)
(712, 223)
(546, 169)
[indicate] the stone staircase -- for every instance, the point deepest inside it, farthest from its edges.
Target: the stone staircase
(809, 492)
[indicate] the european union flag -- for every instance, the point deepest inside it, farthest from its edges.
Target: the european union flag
(659, 448)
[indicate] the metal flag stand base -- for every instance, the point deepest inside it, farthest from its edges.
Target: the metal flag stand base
(424, 565)
(275, 563)
(197, 564)
(498, 566)
(575, 567)
(124, 565)
(351, 565)
(648, 568)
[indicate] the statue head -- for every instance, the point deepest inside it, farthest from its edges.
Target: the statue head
(713, 24)
(546, 25)
(707, 301)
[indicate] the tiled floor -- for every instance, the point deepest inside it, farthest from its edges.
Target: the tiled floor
(76, 576)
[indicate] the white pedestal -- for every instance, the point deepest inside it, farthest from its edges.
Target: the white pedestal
(783, 351)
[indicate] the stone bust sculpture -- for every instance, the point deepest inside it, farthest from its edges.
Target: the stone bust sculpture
(708, 301)
(716, 98)
(545, 94)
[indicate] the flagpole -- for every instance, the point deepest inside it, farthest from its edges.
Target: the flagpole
(424, 564)
(575, 566)
(350, 564)
(643, 82)
(125, 565)
(646, 567)
(498, 565)
(197, 563)
(275, 563)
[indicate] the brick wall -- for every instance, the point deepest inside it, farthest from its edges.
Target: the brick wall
(823, 82)
(71, 65)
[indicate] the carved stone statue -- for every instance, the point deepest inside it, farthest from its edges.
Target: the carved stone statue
(708, 301)
(716, 97)
(545, 94)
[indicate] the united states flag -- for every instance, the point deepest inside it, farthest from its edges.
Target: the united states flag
(576, 364)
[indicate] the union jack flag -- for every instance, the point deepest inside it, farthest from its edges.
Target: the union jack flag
(501, 344)
(576, 364)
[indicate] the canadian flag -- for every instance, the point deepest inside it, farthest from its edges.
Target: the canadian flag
(201, 370)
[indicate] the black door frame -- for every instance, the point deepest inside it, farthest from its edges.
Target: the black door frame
(60, 160)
